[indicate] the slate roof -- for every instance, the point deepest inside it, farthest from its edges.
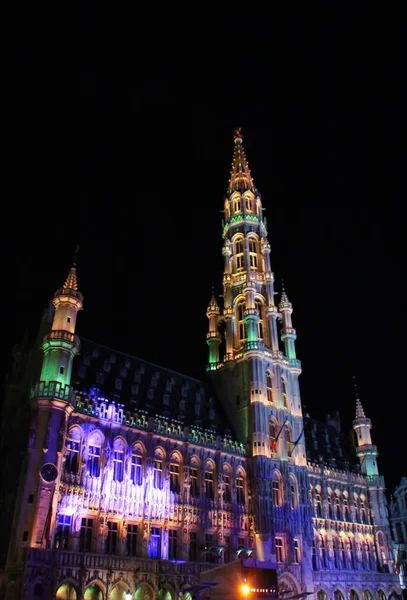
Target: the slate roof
(138, 384)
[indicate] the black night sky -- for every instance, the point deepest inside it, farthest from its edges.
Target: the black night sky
(120, 139)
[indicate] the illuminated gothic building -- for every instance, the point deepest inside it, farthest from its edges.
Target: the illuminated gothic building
(136, 479)
(398, 519)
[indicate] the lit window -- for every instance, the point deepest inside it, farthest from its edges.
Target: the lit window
(294, 496)
(240, 490)
(253, 253)
(285, 395)
(297, 556)
(236, 205)
(241, 325)
(227, 495)
(279, 549)
(318, 503)
(62, 533)
(174, 478)
(273, 438)
(239, 251)
(94, 460)
(194, 483)
(136, 473)
(155, 543)
(260, 331)
(276, 492)
(290, 443)
(209, 489)
(71, 456)
(249, 203)
(158, 474)
(118, 465)
(269, 387)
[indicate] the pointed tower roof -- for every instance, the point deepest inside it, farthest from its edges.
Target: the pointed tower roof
(240, 176)
(360, 413)
(71, 282)
(284, 302)
(213, 305)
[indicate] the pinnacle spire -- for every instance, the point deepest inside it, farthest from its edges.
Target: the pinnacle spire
(71, 282)
(360, 413)
(240, 176)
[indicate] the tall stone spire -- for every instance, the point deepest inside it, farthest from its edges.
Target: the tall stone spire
(360, 413)
(240, 176)
(71, 282)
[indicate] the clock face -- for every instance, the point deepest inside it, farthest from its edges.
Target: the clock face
(49, 472)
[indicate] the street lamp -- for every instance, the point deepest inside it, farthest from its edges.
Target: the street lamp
(245, 589)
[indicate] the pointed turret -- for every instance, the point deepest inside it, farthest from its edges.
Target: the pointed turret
(288, 333)
(61, 344)
(240, 176)
(365, 451)
(213, 336)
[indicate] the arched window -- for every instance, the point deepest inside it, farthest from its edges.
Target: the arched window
(241, 326)
(158, 470)
(381, 595)
(356, 508)
(249, 203)
(118, 460)
(94, 453)
(72, 451)
(337, 505)
(277, 489)
(269, 387)
(323, 552)
(330, 507)
(352, 553)
(362, 510)
(318, 502)
(175, 483)
(253, 253)
(239, 253)
(346, 514)
(209, 481)
(289, 440)
(343, 553)
(293, 492)
(273, 437)
(194, 473)
(260, 329)
(136, 471)
(338, 595)
(353, 595)
(237, 206)
(321, 595)
(227, 495)
(240, 494)
(285, 394)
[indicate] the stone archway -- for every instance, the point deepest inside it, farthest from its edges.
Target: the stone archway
(93, 592)
(165, 593)
(119, 591)
(288, 582)
(144, 592)
(66, 591)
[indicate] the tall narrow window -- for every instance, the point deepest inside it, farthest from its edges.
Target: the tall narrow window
(155, 543)
(279, 549)
(260, 330)
(290, 443)
(194, 483)
(131, 540)
(323, 553)
(318, 503)
(85, 536)
(253, 253)
(172, 544)
(276, 492)
(174, 478)
(249, 203)
(269, 387)
(363, 510)
(226, 483)
(330, 509)
(343, 553)
(62, 533)
(285, 395)
(297, 556)
(193, 546)
(239, 247)
(314, 556)
(136, 473)
(111, 539)
(118, 465)
(240, 496)
(337, 507)
(209, 488)
(346, 515)
(294, 493)
(208, 545)
(94, 460)
(241, 326)
(273, 438)
(158, 474)
(71, 456)
(237, 205)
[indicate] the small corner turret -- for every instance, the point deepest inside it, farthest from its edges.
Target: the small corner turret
(213, 337)
(365, 451)
(61, 344)
(288, 333)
